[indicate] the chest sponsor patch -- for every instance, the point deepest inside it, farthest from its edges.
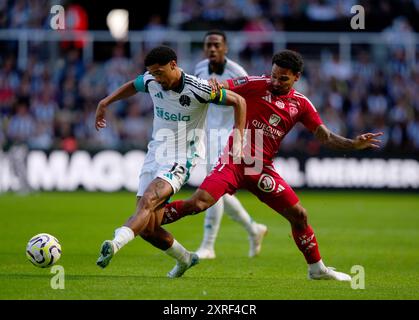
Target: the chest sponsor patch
(274, 120)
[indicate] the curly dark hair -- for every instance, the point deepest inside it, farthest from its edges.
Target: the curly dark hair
(289, 59)
(161, 55)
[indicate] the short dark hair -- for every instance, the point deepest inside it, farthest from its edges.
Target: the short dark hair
(217, 33)
(289, 59)
(161, 55)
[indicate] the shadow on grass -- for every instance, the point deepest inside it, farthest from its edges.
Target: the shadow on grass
(17, 276)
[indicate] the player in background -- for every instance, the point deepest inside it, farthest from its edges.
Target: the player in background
(220, 120)
(180, 106)
(273, 108)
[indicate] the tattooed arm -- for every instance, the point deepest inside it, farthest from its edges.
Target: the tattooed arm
(337, 142)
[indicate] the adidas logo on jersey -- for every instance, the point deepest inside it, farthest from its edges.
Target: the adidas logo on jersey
(267, 98)
(159, 95)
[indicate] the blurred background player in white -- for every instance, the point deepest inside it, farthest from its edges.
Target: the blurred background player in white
(220, 120)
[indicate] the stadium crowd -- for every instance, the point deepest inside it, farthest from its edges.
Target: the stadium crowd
(51, 102)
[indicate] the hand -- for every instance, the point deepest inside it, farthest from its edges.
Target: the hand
(367, 140)
(215, 85)
(100, 121)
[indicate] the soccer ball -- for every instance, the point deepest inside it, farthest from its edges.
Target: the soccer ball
(43, 250)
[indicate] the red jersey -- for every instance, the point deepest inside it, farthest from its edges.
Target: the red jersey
(273, 115)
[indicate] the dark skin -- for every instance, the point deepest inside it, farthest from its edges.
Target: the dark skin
(146, 221)
(215, 49)
(282, 81)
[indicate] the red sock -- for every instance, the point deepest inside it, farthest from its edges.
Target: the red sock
(307, 243)
(173, 211)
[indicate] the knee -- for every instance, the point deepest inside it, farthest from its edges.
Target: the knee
(147, 201)
(299, 217)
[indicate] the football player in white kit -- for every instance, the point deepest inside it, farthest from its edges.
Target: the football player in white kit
(220, 120)
(180, 106)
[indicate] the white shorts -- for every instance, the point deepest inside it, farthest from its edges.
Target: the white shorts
(176, 174)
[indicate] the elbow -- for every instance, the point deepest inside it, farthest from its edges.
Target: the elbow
(241, 104)
(325, 139)
(322, 135)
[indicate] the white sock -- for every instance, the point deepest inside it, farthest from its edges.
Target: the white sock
(212, 224)
(238, 213)
(178, 252)
(317, 267)
(122, 236)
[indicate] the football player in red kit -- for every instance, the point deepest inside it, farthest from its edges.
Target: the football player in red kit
(273, 108)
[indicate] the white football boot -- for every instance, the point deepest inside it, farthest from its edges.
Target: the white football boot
(180, 267)
(256, 240)
(205, 253)
(328, 273)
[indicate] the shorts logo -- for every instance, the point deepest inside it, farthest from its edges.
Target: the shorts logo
(184, 100)
(266, 183)
(274, 120)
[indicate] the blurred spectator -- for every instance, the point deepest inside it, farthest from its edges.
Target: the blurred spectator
(21, 126)
(399, 35)
(413, 132)
(336, 68)
(20, 131)
(135, 127)
(117, 68)
(254, 30)
(321, 10)
(19, 14)
(2, 136)
(156, 30)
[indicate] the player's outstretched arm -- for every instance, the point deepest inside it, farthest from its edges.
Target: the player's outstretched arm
(337, 142)
(125, 91)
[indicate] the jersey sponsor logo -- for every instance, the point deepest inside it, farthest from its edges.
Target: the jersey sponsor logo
(280, 104)
(171, 116)
(267, 129)
(239, 81)
(293, 111)
(274, 119)
(266, 183)
(184, 100)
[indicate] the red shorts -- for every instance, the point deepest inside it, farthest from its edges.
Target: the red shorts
(268, 185)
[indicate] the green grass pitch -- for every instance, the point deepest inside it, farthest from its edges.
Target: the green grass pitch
(379, 231)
